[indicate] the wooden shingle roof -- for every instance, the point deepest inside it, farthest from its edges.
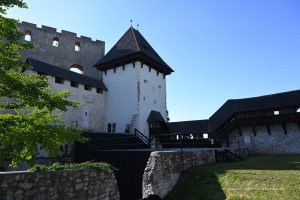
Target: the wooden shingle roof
(266, 102)
(130, 48)
(48, 69)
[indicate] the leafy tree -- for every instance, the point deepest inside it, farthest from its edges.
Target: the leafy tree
(27, 104)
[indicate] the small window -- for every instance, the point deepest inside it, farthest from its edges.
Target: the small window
(74, 84)
(159, 86)
(55, 42)
(154, 101)
(205, 136)
(145, 81)
(109, 127)
(276, 112)
(99, 90)
(76, 68)
(59, 80)
(298, 110)
(77, 46)
(27, 36)
(87, 87)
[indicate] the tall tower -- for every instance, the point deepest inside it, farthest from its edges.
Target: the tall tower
(134, 75)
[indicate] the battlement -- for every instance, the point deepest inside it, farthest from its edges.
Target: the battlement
(30, 27)
(64, 49)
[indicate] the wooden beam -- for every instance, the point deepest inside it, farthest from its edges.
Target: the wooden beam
(284, 128)
(268, 129)
(240, 130)
(254, 130)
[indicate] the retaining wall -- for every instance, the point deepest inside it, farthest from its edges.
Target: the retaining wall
(164, 167)
(78, 184)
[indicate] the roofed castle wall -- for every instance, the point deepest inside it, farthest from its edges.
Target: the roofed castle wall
(64, 54)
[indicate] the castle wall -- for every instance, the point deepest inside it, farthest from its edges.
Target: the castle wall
(64, 55)
(277, 142)
(89, 116)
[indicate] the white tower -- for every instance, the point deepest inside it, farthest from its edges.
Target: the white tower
(134, 75)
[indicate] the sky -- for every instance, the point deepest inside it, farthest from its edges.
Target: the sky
(218, 49)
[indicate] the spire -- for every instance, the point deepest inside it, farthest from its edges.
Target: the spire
(130, 48)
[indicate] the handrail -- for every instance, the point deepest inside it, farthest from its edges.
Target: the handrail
(233, 154)
(142, 137)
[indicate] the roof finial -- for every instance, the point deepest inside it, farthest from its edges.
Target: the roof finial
(131, 22)
(137, 26)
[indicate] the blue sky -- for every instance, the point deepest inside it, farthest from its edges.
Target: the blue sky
(218, 49)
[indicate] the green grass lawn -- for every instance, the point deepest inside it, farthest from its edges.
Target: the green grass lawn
(258, 177)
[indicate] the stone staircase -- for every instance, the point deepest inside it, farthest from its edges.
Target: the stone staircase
(226, 155)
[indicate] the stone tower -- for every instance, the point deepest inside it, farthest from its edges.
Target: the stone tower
(135, 77)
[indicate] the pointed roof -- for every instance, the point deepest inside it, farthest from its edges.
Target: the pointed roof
(155, 116)
(133, 47)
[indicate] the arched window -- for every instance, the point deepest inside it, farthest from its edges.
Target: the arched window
(76, 68)
(27, 36)
(55, 42)
(77, 46)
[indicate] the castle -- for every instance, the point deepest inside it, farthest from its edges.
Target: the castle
(125, 90)
(118, 92)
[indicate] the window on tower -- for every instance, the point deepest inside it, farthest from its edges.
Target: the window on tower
(27, 36)
(55, 42)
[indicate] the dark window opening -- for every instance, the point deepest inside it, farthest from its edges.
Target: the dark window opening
(74, 84)
(59, 80)
(41, 74)
(109, 127)
(87, 87)
(99, 90)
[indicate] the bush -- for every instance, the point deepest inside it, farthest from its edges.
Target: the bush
(58, 166)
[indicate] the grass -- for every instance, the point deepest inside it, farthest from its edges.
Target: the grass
(258, 177)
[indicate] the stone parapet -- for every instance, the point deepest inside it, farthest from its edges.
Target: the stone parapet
(63, 184)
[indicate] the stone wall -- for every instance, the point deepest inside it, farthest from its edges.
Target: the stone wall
(65, 184)
(277, 142)
(164, 168)
(64, 54)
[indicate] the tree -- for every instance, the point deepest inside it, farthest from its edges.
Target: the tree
(27, 104)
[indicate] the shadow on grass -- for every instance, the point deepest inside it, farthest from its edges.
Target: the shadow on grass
(203, 182)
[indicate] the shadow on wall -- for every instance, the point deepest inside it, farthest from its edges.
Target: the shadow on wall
(216, 181)
(153, 197)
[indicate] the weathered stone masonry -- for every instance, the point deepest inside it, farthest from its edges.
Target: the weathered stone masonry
(64, 55)
(164, 167)
(78, 184)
